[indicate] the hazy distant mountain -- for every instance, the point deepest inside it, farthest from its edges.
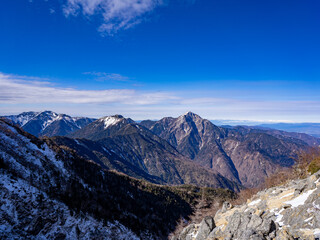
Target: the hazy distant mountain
(48, 123)
(308, 128)
(240, 154)
(310, 140)
(225, 122)
(312, 129)
(136, 145)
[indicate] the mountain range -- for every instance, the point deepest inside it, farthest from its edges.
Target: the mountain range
(183, 150)
(50, 192)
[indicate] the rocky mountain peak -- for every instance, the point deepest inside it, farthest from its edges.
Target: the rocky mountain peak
(48, 112)
(190, 116)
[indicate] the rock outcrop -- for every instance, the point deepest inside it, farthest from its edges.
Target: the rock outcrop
(291, 211)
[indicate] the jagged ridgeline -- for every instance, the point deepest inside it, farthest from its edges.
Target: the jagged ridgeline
(50, 192)
(187, 149)
(48, 123)
(245, 155)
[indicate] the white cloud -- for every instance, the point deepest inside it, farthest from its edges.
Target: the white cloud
(23, 93)
(116, 14)
(28, 90)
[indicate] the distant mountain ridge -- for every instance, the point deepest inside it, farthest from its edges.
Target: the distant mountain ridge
(48, 123)
(312, 129)
(309, 139)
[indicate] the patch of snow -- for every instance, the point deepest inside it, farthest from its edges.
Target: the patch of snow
(109, 121)
(105, 150)
(8, 140)
(316, 232)
(279, 217)
(25, 172)
(287, 195)
(52, 157)
(300, 200)
(308, 219)
(130, 194)
(254, 202)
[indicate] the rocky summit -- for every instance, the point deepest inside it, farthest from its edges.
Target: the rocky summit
(291, 211)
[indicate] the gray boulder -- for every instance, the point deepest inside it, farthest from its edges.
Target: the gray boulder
(206, 226)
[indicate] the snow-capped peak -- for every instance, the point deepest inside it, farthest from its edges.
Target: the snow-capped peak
(111, 120)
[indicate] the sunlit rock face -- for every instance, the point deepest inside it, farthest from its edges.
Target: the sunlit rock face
(291, 211)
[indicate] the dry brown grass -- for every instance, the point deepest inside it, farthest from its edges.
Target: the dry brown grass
(281, 177)
(307, 163)
(201, 210)
(312, 159)
(244, 195)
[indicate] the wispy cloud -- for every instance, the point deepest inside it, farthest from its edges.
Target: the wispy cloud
(116, 14)
(24, 93)
(22, 90)
(103, 76)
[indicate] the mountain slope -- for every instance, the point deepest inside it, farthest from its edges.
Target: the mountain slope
(49, 192)
(48, 123)
(237, 153)
(104, 156)
(143, 149)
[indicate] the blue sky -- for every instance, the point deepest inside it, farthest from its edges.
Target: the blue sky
(223, 59)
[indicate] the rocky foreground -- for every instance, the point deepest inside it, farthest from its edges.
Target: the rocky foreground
(291, 211)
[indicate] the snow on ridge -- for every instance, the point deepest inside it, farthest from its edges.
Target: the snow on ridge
(109, 121)
(23, 118)
(73, 227)
(254, 202)
(29, 150)
(300, 200)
